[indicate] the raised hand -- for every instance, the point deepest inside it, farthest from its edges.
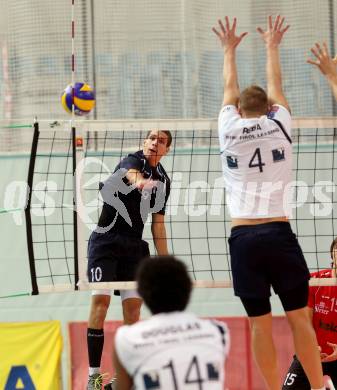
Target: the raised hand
(227, 36)
(326, 64)
(274, 34)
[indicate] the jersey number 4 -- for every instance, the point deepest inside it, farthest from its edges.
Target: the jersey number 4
(256, 160)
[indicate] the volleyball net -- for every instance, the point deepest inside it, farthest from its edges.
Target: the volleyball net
(66, 163)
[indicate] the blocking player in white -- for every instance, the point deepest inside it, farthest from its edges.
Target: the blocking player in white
(174, 349)
(326, 64)
(256, 153)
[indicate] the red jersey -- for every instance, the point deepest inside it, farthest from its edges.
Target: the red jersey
(323, 301)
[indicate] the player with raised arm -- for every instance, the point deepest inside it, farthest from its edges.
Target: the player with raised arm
(326, 64)
(323, 312)
(256, 153)
(139, 186)
(173, 349)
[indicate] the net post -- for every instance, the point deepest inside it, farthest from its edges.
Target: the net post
(93, 51)
(29, 233)
(73, 134)
(79, 209)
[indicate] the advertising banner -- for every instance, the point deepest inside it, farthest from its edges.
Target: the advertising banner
(30, 354)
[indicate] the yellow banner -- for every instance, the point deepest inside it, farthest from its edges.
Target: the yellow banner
(30, 354)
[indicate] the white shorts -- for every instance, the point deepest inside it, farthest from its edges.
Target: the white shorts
(125, 294)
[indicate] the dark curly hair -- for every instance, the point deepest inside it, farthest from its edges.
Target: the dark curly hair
(164, 284)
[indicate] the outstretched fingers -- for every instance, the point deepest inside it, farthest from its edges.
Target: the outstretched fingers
(286, 28)
(226, 31)
(281, 23)
(234, 25)
(222, 29)
(275, 28)
(318, 48)
(222, 26)
(315, 52)
(242, 35)
(276, 24)
(216, 32)
(312, 62)
(325, 49)
(259, 30)
(227, 23)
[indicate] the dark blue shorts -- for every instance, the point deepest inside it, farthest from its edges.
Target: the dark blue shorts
(114, 257)
(266, 255)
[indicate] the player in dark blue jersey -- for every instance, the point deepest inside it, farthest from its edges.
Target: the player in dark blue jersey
(138, 187)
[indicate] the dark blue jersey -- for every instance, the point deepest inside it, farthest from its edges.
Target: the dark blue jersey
(126, 208)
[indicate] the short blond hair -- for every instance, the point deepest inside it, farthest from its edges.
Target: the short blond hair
(254, 99)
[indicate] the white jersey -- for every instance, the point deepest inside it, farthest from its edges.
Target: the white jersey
(174, 351)
(256, 156)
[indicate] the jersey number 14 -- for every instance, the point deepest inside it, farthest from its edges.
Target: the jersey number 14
(193, 374)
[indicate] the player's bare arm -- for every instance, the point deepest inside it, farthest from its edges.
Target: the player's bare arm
(159, 234)
(326, 64)
(272, 38)
(123, 382)
(229, 41)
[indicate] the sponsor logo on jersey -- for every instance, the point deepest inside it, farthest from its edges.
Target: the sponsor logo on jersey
(248, 130)
(258, 135)
(278, 154)
(320, 308)
(171, 330)
(213, 371)
(230, 137)
(272, 112)
(232, 162)
(144, 345)
(151, 380)
(331, 326)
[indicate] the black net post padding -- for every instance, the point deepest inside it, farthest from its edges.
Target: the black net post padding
(73, 134)
(29, 233)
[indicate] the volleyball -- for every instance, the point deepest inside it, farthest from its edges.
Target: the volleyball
(84, 99)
